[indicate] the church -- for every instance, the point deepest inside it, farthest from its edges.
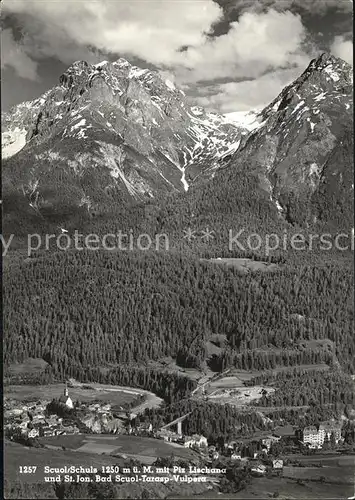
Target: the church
(65, 399)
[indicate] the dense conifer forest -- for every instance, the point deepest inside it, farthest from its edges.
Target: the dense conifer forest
(100, 316)
(94, 309)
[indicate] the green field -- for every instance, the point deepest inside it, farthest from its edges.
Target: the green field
(231, 381)
(325, 459)
(107, 394)
(142, 448)
(170, 365)
(283, 489)
(245, 266)
(340, 475)
(31, 366)
(19, 485)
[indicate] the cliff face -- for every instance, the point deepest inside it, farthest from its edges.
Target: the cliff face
(109, 134)
(112, 135)
(304, 149)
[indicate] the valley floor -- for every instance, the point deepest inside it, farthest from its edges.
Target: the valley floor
(115, 395)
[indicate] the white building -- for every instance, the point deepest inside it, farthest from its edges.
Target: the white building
(312, 437)
(269, 441)
(259, 469)
(168, 435)
(231, 445)
(33, 433)
(145, 427)
(315, 437)
(277, 464)
(38, 418)
(65, 399)
(327, 429)
(195, 440)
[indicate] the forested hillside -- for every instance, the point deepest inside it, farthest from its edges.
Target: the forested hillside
(232, 203)
(84, 310)
(332, 389)
(220, 423)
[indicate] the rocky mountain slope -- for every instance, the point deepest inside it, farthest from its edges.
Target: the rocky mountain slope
(110, 133)
(291, 174)
(302, 153)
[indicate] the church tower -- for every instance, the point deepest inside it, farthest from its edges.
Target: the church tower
(65, 399)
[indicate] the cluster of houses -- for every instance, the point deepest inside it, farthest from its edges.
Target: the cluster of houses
(232, 449)
(260, 469)
(257, 447)
(260, 453)
(100, 418)
(313, 437)
(31, 421)
(146, 429)
(257, 459)
(194, 441)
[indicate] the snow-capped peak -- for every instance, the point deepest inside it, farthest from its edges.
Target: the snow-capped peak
(101, 64)
(121, 62)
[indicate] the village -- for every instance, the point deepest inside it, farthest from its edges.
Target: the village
(262, 452)
(43, 419)
(32, 420)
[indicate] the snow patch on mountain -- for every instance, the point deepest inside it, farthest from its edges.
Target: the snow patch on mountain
(78, 125)
(170, 85)
(101, 64)
(249, 120)
(333, 74)
(320, 97)
(183, 178)
(136, 72)
(13, 141)
(311, 124)
(278, 206)
(197, 111)
(297, 107)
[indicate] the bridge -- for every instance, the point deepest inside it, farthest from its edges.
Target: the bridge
(178, 422)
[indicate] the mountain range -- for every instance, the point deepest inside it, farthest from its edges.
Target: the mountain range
(112, 136)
